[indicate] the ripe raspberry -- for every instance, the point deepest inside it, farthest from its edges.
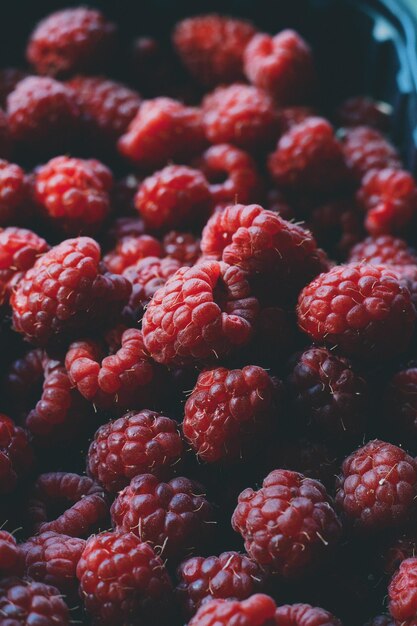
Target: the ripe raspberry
(71, 40)
(289, 524)
(400, 549)
(123, 581)
(65, 293)
(383, 250)
(211, 47)
(43, 115)
(129, 250)
(361, 309)
(10, 555)
(200, 312)
(52, 558)
(172, 517)
(27, 603)
(13, 193)
(173, 197)
(241, 115)
(402, 593)
(304, 615)
(227, 410)
(400, 402)
(308, 157)
(137, 443)
(9, 77)
(87, 511)
(292, 116)
(365, 149)
(363, 111)
(228, 576)
(74, 193)
(258, 610)
(183, 247)
(162, 130)
(16, 455)
(282, 65)
(337, 226)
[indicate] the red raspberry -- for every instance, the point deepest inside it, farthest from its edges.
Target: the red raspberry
(52, 558)
(9, 77)
(28, 603)
(65, 292)
(363, 111)
(123, 581)
(228, 576)
(381, 620)
(282, 65)
(200, 312)
(304, 615)
(13, 193)
(383, 250)
(88, 507)
(137, 443)
(10, 555)
(174, 517)
(183, 247)
(226, 410)
(241, 115)
(71, 40)
(337, 226)
(362, 309)
(173, 197)
(400, 402)
(16, 456)
(308, 157)
(258, 610)
(289, 524)
(292, 116)
(162, 130)
(211, 47)
(402, 593)
(400, 549)
(365, 149)
(43, 115)
(129, 250)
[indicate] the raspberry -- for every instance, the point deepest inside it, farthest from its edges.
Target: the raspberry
(292, 116)
(399, 550)
(402, 593)
(13, 193)
(383, 250)
(258, 610)
(228, 576)
(10, 554)
(52, 558)
(173, 517)
(74, 193)
(69, 41)
(201, 311)
(241, 115)
(88, 507)
(138, 443)
(129, 250)
(65, 293)
(173, 197)
(16, 456)
(9, 77)
(400, 402)
(123, 581)
(365, 149)
(363, 111)
(304, 615)
(211, 47)
(289, 524)
(43, 115)
(282, 65)
(337, 226)
(226, 410)
(183, 247)
(327, 393)
(308, 157)
(361, 309)
(162, 130)
(28, 603)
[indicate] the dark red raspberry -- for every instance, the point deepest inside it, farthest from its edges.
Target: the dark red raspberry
(65, 292)
(184, 247)
(175, 517)
(27, 603)
(390, 198)
(308, 157)
(88, 507)
(163, 130)
(337, 226)
(363, 310)
(201, 312)
(397, 551)
(173, 197)
(304, 615)
(13, 193)
(400, 402)
(328, 394)
(366, 149)
(9, 77)
(43, 115)
(52, 558)
(402, 594)
(282, 65)
(291, 116)
(10, 555)
(129, 250)
(123, 581)
(383, 250)
(241, 115)
(211, 47)
(258, 610)
(363, 111)
(74, 193)
(381, 620)
(16, 455)
(289, 525)
(227, 410)
(228, 576)
(137, 443)
(71, 40)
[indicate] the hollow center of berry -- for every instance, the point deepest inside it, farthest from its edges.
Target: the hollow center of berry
(221, 294)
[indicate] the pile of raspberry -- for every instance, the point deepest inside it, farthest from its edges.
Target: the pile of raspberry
(208, 364)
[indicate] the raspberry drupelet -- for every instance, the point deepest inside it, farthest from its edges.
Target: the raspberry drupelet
(365, 149)
(131, 249)
(402, 594)
(123, 581)
(142, 442)
(27, 603)
(400, 402)
(184, 247)
(383, 250)
(13, 193)
(378, 487)
(10, 555)
(363, 310)
(363, 111)
(16, 455)
(257, 610)
(304, 615)
(289, 524)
